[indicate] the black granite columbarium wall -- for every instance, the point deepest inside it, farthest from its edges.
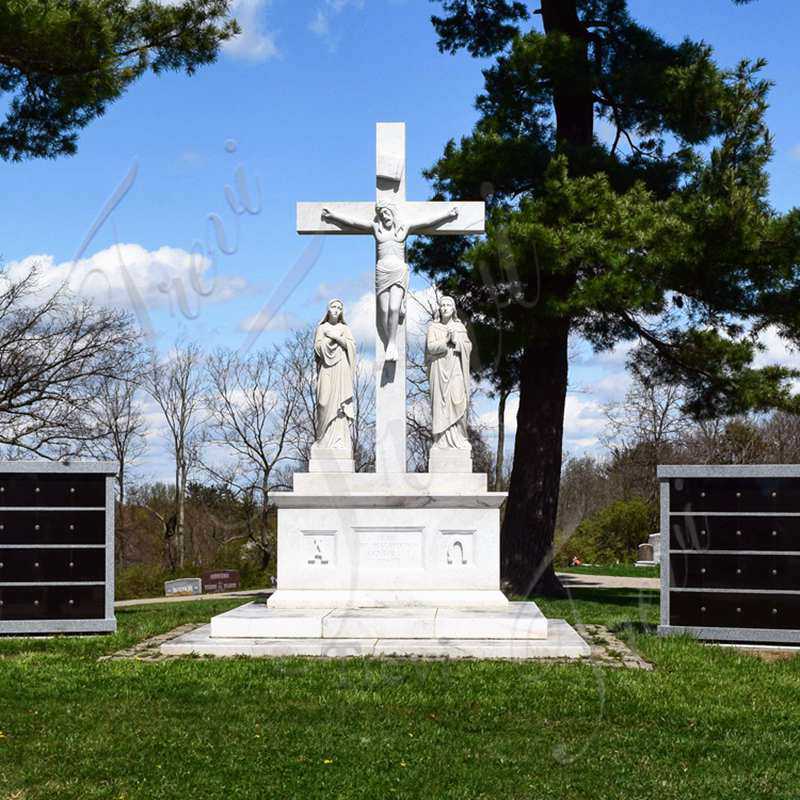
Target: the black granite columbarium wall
(731, 553)
(56, 548)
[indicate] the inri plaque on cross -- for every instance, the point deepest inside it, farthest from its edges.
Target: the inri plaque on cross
(390, 221)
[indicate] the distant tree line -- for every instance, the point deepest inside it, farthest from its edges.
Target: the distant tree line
(617, 491)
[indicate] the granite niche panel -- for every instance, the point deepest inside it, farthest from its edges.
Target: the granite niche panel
(56, 548)
(731, 552)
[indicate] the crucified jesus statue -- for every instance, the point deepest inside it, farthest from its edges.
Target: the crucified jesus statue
(391, 270)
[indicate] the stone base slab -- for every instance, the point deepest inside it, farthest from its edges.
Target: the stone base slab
(257, 621)
(386, 598)
(562, 642)
(33, 627)
(450, 461)
(399, 484)
(330, 461)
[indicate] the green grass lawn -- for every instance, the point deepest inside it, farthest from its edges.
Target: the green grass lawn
(620, 570)
(707, 723)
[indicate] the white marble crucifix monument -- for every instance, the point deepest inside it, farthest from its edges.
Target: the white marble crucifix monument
(390, 221)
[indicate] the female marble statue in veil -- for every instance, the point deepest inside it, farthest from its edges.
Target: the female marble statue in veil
(447, 354)
(335, 351)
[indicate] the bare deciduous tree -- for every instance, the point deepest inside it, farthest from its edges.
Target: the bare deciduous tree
(737, 440)
(176, 385)
(782, 437)
(502, 395)
(252, 403)
(364, 424)
(53, 356)
(418, 408)
(118, 416)
(642, 432)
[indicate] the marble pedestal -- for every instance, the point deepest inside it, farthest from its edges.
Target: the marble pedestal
(327, 460)
(450, 461)
(387, 564)
(368, 540)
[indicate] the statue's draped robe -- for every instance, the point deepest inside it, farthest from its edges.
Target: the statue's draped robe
(335, 373)
(448, 373)
(391, 268)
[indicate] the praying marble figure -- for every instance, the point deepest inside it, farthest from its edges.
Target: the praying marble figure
(447, 354)
(335, 352)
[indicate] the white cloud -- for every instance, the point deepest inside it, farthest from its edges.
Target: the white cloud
(130, 276)
(256, 42)
(320, 23)
(191, 159)
(283, 321)
(360, 316)
(778, 351)
(344, 289)
(611, 388)
(584, 421)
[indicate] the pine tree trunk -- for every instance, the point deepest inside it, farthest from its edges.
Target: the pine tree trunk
(529, 525)
(530, 520)
(572, 99)
(180, 510)
(499, 463)
(266, 555)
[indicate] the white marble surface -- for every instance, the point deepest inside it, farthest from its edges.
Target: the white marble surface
(400, 484)
(250, 620)
(326, 461)
(258, 621)
(410, 548)
(562, 642)
(383, 598)
(516, 621)
(379, 623)
(450, 461)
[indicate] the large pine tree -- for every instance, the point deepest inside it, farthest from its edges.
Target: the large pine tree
(63, 61)
(659, 234)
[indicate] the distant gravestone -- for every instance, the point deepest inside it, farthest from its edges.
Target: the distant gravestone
(183, 587)
(221, 580)
(646, 553)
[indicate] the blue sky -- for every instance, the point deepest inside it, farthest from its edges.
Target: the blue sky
(293, 104)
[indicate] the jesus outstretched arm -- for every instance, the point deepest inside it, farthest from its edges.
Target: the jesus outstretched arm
(430, 222)
(350, 222)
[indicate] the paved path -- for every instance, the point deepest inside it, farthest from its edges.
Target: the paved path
(149, 601)
(568, 579)
(574, 581)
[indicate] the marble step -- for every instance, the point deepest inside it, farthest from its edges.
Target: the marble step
(516, 621)
(562, 642)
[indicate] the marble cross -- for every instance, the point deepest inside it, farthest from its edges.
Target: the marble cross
(390, 221)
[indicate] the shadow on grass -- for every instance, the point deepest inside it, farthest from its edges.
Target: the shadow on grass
(639, 628)
(617, 597)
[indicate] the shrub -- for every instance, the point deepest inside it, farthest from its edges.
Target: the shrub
(612, 535)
